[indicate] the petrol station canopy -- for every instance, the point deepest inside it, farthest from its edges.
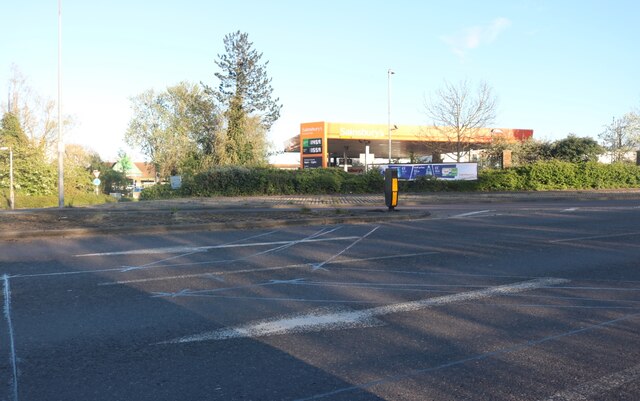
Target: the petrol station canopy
(320, 141)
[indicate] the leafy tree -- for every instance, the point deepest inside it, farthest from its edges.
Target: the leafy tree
(33, 174)
(246, 96)
(532, 151)
(113, 181)
(622, 136)
(176, 129)
(459, 113)
(124, 163)
(522, 153)
(11, 132)
(250, 148)
(574, 149)
(77, 168)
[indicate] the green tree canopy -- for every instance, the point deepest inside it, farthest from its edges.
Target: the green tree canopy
(11, 132)
(124, 163)
(33, 174)
(523, 153)
(176, 129)
(575, 149)
(78, 169)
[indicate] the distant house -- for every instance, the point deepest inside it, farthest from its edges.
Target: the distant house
(141, 174)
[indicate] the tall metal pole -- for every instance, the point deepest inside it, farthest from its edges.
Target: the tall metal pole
(60, 142)
(12, 197)
(389, 73)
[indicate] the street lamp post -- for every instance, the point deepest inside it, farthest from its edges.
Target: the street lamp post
(12, 199)
(389, 73)
(60, 142)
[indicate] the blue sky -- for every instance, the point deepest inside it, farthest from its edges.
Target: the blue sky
(557, 67)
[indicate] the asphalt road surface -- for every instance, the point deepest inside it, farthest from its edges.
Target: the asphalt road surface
(522, 301)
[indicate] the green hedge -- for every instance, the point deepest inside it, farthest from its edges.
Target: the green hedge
(557, 175)
(541, 176)
(242, 181)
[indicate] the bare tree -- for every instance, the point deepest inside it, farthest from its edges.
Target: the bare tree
(37, 115)
(458, 113)
(622, 136)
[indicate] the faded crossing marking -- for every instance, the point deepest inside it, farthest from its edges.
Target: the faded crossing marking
(323, 320)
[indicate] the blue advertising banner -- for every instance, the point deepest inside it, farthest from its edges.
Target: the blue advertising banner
(444, 171)
(421, 170)
(404, 171)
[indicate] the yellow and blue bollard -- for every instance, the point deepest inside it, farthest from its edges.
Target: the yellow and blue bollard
(391, 188)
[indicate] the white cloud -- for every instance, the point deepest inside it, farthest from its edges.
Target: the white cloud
(476, 36)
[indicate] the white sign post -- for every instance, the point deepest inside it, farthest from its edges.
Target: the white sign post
(96, 181)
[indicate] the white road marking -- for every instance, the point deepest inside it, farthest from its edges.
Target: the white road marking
(224, 261)
(596, 388)
(195, 275)
(509, 305)
(7, 315)
(156, 263)
(316, 266)
(194, 293)
(301, 281)
(190, 253)
(221, 273)
(571, 209)
(405, 255)
(283, 299)
(471, 213)
(289, 245)
(474, 358)
(190, 249)
(270, 250)
(359, 318)
(596, 237)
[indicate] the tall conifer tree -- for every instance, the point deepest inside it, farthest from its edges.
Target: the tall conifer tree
(246, 96)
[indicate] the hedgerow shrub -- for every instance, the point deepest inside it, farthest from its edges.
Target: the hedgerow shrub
(370, 182)
(540, 176)
(499, 180)
(276, 182)
(557, 175)
(548, 175)
(319, 181)
(234, 181)
(160, 191)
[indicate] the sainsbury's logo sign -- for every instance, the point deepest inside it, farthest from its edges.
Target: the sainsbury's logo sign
(312, 128)
(366, 133)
